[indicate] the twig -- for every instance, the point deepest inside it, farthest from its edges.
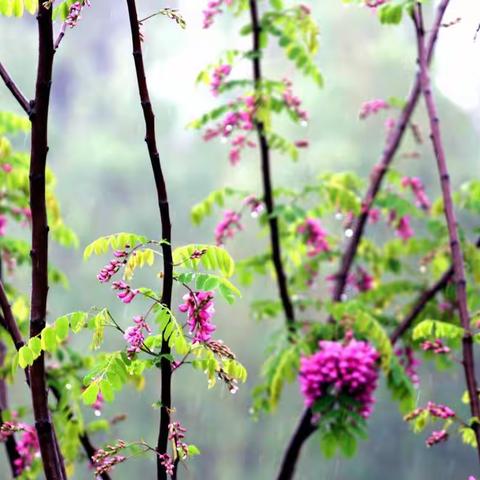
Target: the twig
(287, 304)
(15, 90)
(455, 245)
(162, 197)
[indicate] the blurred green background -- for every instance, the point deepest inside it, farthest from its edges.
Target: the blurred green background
(105, 186)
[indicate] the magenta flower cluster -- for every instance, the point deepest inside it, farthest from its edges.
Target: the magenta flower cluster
(27, 445)
(74, 16)
(219, 75)
(403, 228)
(3, 225)
(418, 190)
(437, 347)
(167, 463)
(241, 121)
(135, 335)
(437, 437)
(293, 102)
(228, 226)
(213, 9)
(125, 293)
(200, 309)
(410, 363)
(109, 270)
(315, 236)
(176, 434)
(372, 107)
(341, 368)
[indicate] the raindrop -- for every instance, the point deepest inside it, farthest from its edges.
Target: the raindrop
(97, 413)
(423, 269)
(349, 233)
(304, 123)
(338, 216)
(68, 386)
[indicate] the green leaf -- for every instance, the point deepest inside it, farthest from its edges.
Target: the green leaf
(193, 450)
(62, 325)
(215, 258)
(25, 357)
(432, 329)
(35, 346)
(90, 394)
(49, 339)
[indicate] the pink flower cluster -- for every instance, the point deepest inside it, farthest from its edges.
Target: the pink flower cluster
(418, 190)
(437, 437)
(436, 347)
(372, 107)
(135, 336)
(219, 74)
(108, 271)
(341, 368)
(73, 16)
(409, 363)
(105, 459)
(403, 228)
(293, 102)
(375, 3)
(167, 463)
(315, 235)
(176, 434)
(227, 227)
(6, 167)
(3, 225)
(200, 310)
(213, 9)
(27, 445)
(125, 293)
(254, 204)
(242, 118)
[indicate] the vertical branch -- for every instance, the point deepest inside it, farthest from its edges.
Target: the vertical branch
(150, 139)
(455, 245)
(379, 171)
(266, 175)
(52, 460)
(301, 434)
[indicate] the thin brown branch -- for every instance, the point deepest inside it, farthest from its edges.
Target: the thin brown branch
(455, 245)
(275, 242)
(15, 90)
(162, 198)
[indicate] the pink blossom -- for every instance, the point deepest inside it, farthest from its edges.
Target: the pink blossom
(337, 368)
(227, 227)
(373, 4)
(176, 434)
(436, 347)
(374, 215)
(135, 336)
(167, 463)
(219, 75)
(125, 294)
(372, 107)
(27, 447)
(403, 228)
(316, 236)
(418, 190)
(3, 225)
(440, 411)
(7, 168)
(213, 9)
(292, 102)
(363, 281)
(437, 437)
(254, 204)
(302, 143)
(200, 310)
(98, 404)
(410, 363)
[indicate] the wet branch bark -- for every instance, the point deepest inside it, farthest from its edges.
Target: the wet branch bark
(15, 90)
(455, 245)
(162, 197)
(275, 242)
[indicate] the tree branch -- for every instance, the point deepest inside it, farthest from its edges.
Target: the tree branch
(275, 243)
(16, 92)
(162, 197)
(455, 245)
(301, 434)
(51, 456)
(379, 171)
